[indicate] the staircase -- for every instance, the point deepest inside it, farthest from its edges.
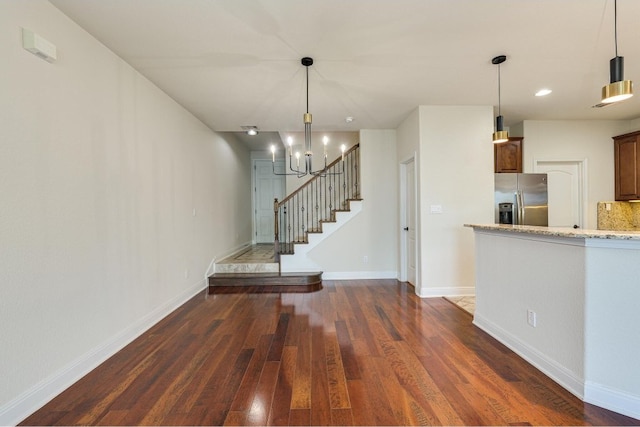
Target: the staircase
(302, 220)
(253, 270)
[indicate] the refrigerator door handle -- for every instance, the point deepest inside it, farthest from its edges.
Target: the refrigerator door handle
(516, 208)
(521, 207)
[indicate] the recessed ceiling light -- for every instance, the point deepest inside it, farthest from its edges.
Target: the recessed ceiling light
(543, 92)
(251, 130)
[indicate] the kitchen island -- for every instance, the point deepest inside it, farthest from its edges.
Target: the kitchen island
(567, 301)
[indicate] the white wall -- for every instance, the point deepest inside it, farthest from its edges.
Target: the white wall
(631, 126)
(583, 292)
(100, 174)
(519, 272)
(612, 341)
(374, 232)
(456, 172)
(577, 140)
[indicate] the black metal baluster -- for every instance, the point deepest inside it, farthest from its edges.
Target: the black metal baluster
(306, 191)
(316, 223)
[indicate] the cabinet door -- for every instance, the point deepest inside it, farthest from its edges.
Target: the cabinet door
(626, 168)
(507, 156)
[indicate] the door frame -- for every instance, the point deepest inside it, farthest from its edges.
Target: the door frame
(402, 273)
(582, 182)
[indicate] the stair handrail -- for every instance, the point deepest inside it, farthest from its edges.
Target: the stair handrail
(315, 202)
(332, 164)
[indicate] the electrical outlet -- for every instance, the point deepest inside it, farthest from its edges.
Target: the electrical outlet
(365, 259)
(186, 274)
(532, 318)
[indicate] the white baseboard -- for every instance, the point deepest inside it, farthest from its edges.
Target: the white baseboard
(542, 362)
(359, 275)
(37, 396)
(612, 399)
(446, 292)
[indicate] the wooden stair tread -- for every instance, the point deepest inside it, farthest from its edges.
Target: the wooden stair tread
(264, 275)
(265, 282)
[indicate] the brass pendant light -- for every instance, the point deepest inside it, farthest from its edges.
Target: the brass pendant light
(500, 135)
(618, 89)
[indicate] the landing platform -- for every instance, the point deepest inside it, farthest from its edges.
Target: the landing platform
(259, 258)
(224, 283)
(253, 270)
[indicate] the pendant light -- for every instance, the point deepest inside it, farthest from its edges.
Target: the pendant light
(308, 154)
(500, 135)
(618, 89)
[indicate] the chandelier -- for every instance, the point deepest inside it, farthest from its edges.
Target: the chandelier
(308, 154)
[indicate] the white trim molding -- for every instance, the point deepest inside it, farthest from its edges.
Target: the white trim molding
(359, 275)
(446, 291)
(558, 373)
(37, 396)
(610, 398)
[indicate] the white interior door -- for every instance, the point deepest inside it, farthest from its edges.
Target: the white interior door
(411, 223)
(565, 180)
(267, 187)
(409, 219)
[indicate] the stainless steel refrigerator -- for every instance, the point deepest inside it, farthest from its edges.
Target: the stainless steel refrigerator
(521, 199)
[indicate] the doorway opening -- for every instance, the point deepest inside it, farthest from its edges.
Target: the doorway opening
(566, 191)
(408, 215)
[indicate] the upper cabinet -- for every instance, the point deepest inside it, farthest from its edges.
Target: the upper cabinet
(627, 166)
(507, 156)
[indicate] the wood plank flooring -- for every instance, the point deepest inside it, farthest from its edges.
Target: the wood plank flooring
(355, 353)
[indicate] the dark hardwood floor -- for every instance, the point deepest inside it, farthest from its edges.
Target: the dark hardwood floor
(355, 353)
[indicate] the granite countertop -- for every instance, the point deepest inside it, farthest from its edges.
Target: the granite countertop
(559, 231)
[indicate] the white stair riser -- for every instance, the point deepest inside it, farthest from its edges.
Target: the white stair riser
(300, 261)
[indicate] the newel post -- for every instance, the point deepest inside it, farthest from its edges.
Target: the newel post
(276, 239)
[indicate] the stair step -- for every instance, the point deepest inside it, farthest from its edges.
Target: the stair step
(265, 282)
(248, 267)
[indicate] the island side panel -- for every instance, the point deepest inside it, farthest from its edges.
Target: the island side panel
(612, 365)
(517, 272)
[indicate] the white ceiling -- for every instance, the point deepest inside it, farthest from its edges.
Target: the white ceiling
(237, 62)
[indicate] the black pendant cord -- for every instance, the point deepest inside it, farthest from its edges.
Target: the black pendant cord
(307, 69)
(615, 24)
(499, 112)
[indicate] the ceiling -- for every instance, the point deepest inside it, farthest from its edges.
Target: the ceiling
(234, 63)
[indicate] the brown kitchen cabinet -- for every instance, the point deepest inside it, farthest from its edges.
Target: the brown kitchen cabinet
(627, 165)
(507, 156)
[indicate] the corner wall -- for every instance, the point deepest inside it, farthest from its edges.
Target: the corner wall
(456, 174)
(114, 201)
(373, 233)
